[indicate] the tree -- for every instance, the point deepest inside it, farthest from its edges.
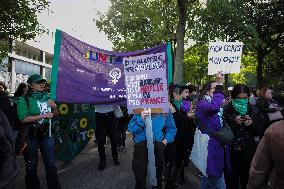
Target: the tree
(18, 20)
(196, 63)
(138, 24)
(255, 23)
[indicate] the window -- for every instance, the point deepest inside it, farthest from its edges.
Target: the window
(48, 73)
(27, 68)
(4, 66)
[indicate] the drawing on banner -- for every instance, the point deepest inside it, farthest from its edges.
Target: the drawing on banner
(224, 57)
(115, 74)
(146, 82)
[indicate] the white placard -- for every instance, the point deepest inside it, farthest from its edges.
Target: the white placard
(224, 57)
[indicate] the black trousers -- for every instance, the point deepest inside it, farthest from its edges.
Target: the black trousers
(105, 125)
(140, 161)
(241, 158)
(121, 127)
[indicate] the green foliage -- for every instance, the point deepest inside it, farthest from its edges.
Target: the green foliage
(248, 71)
(138, 24)
(18, 20)
(195, 64)
(258, 25)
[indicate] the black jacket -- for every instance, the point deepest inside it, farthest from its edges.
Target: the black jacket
(8, 166)
(6, 107)
(263, 105)
(241, 131)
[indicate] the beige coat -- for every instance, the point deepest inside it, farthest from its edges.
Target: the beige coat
(269, 155)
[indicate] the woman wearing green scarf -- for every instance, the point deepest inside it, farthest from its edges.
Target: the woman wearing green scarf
(35, 111)
(240, 116)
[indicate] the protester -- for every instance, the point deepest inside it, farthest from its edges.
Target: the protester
(8, 166)
(269, 155)
(105, 124)
(137, 127)
(177, 152)
(6, 104)
(209, 116)
(21, 90)
(240, 117)
(254, 96)
(268, 106)
(36, 115)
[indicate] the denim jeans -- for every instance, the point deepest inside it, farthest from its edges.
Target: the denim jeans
(46, 146)
(212, 182)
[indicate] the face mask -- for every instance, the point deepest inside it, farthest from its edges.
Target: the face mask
(240, 105)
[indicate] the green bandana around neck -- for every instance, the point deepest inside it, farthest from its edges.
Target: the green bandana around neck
(240, 105)
(40, 96)
(178, 103)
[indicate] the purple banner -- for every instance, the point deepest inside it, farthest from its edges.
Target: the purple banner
(89, 75)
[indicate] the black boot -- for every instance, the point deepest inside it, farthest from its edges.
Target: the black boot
(102, 165)
(52, 180)
(116, 161)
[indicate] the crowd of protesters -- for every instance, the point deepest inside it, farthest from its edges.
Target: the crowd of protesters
(246, 161)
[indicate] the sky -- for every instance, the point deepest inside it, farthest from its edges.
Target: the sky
(75, 18)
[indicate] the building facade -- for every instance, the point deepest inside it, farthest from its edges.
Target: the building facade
(22, 62)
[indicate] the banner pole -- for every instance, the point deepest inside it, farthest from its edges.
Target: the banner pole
(55, 62)
(170, 63)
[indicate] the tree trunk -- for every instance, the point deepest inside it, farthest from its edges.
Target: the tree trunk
(180, 34)
(259, 69)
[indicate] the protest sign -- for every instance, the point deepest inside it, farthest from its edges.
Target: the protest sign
(224, 57)
(146, 82)
(85, 74)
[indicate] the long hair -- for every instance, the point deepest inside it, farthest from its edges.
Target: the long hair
(207, 86)
(263, 91)
(239, 88)
(20, 90)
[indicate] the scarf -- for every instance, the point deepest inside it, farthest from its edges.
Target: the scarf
(40, 96)
(240, 105)
(178, 103)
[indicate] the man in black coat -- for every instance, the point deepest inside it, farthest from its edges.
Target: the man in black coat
(8, 166)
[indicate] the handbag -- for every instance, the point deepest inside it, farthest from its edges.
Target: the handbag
(275, 116)
(225, 135)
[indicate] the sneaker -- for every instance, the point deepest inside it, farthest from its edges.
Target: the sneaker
(116, 161)
(102, 165)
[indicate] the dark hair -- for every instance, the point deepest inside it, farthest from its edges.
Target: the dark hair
(240, 88)
(207, 86)
(20, 90)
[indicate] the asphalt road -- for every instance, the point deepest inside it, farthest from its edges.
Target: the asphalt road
(82, 172)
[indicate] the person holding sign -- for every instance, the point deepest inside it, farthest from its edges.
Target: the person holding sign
(209, 119)
(137, 127)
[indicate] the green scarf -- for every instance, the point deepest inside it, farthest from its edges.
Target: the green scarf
(240, 105)
(40, 96)
(178, 103)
